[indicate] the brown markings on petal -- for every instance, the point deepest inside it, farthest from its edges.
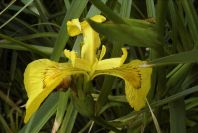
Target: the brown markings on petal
(48, 74)
(64, 85)
(137, 79)
(133, 75)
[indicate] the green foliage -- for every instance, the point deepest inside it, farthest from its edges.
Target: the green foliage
(163, 32)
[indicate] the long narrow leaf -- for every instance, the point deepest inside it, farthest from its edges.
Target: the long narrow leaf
(183, 57)
(108, 12)
(134, 36)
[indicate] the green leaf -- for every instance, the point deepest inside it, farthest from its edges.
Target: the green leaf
(128, 117)
(94, 10)
(150, 8)
(177, 116)
(154, 118)
(69, 119)
(183, 57)
(61, 109)
(27, 4)
(108, 12)
(33, 49)
(132, 35)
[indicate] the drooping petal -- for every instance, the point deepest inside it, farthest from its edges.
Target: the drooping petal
(112, 62)
(137, 81)
(41, 77)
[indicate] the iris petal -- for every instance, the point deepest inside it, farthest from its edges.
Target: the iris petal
(90, 37)
(41, 77)
(73, 27)
(137, 81)
(112, 62)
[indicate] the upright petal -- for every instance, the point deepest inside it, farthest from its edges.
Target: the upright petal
(91, 44)
(41, 77)
(73, 27)
(137, 81)
(90, 37)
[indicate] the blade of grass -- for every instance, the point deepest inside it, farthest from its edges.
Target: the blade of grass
(108, 12)
(183, 57)
(61, 109)
(127, 34)
(177, 116)
(9, 102)
(43, 13)
(67, 4)
(69, 120)
(37, 35)
(86, 127)
(159, 103)
(125, 9)
(10, 4)
(34, 49)
(4, 125)
(154, 118)
(94, 10)
(46, 50)
(30, 1)
(150, 8)
(192, 18)
(105, 124)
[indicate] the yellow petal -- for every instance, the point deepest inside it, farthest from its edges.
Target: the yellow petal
(137, 81)
(90, 37)
(102, 53)
(112, 62)
(72, 55)
(41, 77)
(98, 18)
(91, 44)
(73, 27)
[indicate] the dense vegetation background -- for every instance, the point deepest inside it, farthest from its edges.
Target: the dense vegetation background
(163, 32)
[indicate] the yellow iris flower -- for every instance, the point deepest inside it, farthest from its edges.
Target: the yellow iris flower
(42, 76)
